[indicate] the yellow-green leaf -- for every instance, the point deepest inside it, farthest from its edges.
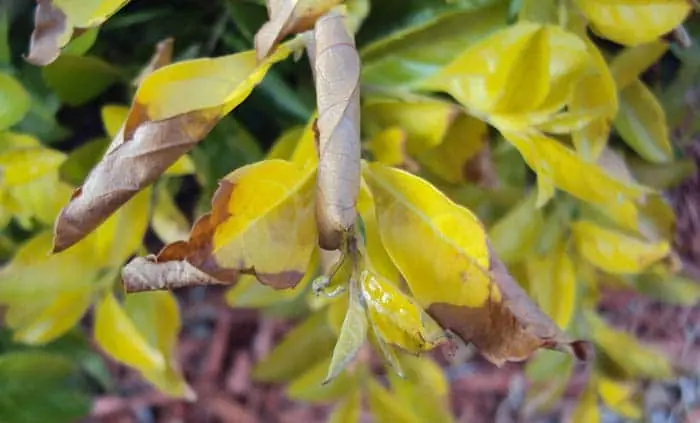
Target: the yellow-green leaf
(168, 222)
(353, 334)
(587, 410)
(309, 387)
(627, 66)
(514, 234)
(349, 410)
(641, 122)
(552, 284)
(14, 101)
(387, 407)
(262, 223)
(632, 23)
(616, 252)
(618, 397)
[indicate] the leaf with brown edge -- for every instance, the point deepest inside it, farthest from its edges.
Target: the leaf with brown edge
(461, 283)
(336, 66)
(288, 17)
(57, 22)
(159, 129)
(261, 223)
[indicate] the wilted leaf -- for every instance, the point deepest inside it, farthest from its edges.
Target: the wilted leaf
(29, 375)
(352, 335)
(57, 21)
(309, 387)
(158, 130)
(513, 235)
(552, 284)
(291, 358)
(14, 101)
(618, 397)
(337, 77)
(347, 411)
(632, 23)
(288, 17)
(135, 339)
(626, 352)
(387, 407)
(641, 122)
(467, 290)
(261, 224)
(616, 252)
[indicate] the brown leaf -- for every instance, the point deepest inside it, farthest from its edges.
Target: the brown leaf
(138, 155)
(509, 330)
(147, 274)
(288, 17)
(336, 65)
(50, 24)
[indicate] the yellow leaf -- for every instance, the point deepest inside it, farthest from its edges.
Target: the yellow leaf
(641, 123)
(626, 352)
(553, 284)
(375, 253)
(627, 66)
(306, 154)
(56, 22)
(113, 117)
(262, 223)
(349, 410)
(632, 23)
(425, 122)
(514, 234)
(397, 318)
(353, 334)
(159, 129)
(388, 146)
(616, 252)
(587, 410)
(387, 407)
(285, 145)
(23, 165)
(618, 397)
(554, 162)
(466, 137)
(168, 221)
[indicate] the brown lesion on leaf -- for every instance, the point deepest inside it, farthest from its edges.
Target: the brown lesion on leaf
(50, 23)
(507, 330)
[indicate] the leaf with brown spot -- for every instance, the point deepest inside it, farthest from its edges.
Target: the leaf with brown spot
(443, 252)
(159, 129)
(336, 65)
(288, 17)
(56, 23)
(261, 223)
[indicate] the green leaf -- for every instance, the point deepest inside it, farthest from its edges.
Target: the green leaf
(81, 160)
(671, 289)
(348, 411)
(512, 237)
(36, 387)
(641, 122)
(309, 386)
(14, 101)
(387, 407)
(78, 79)
(352, 336)
(292, 357)
(80, 45)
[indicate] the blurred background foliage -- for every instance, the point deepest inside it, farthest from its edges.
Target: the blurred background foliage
(61, 318)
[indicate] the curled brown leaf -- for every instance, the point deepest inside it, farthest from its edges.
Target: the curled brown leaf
(50, 25)
(288, 17)
(508, 330)
(336, 65)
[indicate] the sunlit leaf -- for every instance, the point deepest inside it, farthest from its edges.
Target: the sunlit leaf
(353, 334)
(158, 130)
(616, 252)
(468, 290)
(336, 65)
(641, 122)
(14, 101)
(57, 21)
(261, 223)
(632, 23)
(388, 146)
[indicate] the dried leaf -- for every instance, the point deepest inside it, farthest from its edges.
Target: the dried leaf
(158, 130)
(57, 21)
(288, 17)
(467, 290)
(261, 224)
(616, 252)
(337, 75)
(352, 335)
